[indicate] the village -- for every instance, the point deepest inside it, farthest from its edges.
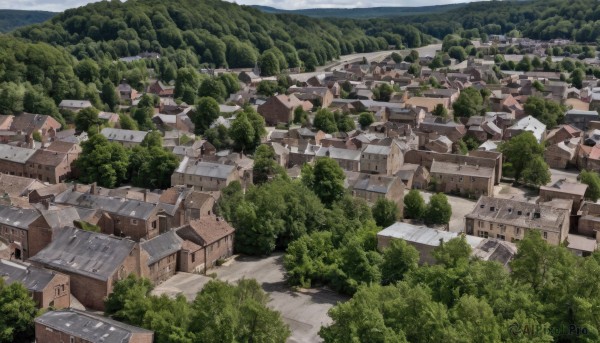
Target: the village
(70, 242)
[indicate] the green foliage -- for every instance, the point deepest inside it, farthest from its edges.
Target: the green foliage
(206, 112)
(385, 212)
(592, 180)
(365, 119)
(109, 95)
(83, 225)
(438, 211)
(383, 92)
(103, 162)
(414, 205)
(218, 136)
(325, 121)
(213, 88)
(265, 166)
(247, 130)
(522, 151)
(300, 116)
(326, 179)
(343, 122)
(469, 103)
(12, 19)
(127, 123)
(86, 118)
(536, 172)
(452, 253)
(18, 312)
(221, 312)
(548, 111)
(440, 111)
(399, 258)
(37, 136)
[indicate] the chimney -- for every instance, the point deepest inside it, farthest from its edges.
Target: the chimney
(74, 186)
(145, 195)
(46, 204)
(93, 188)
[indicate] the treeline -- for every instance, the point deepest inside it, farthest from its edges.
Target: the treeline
(208, 32)
(12, 19)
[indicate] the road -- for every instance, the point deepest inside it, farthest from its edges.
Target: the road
(370, 56)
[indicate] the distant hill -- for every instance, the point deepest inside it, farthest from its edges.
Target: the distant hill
(12, 19)
(364, 13)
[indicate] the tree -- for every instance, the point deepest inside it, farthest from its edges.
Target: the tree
(325, 121)
(592, 180)
(326, 179)
(399, 258)
(438, 210)
(458, 52)
(143, 117)
(385, 212)
(453, 252)
(538, 86)
(536, 172)
(86, 118)
(365, 119)
(242, 133)
(412, 57)
(414, 69)
(525, 64)
(127, 123)
(577, 77)
(218, 136)
(18, 312)
(440, 111)
(109, 95)
(267, 88)
(468, 104)
(269, 64)
(300, 116)
(212, 88)
(414, 205)
(103, 162)
(396, 57)
(265, 165)
(383, 92)
(520, 151)
(549, 112)
(343, 122)
(206, 112)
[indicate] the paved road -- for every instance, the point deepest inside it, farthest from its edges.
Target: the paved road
(305, 312)
(370, 56)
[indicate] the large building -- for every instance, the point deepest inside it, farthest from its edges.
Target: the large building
(462, 179)
(510, 219)
(204, 176)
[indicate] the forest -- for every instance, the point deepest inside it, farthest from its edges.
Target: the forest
(11, 19)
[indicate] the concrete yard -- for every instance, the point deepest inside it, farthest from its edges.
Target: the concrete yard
(187, 284)
(304, 311)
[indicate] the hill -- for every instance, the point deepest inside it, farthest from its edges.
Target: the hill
(363, 13)
(210, 32)
(12, 19)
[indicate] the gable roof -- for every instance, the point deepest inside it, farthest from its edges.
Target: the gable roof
(461, 170)
(121, 206)
(123, 135)
(206, 230)
(162, 246)
(206, 169)
(15, 154)
(33, 278)
(17, 217)
(89, 327)
(85, 253)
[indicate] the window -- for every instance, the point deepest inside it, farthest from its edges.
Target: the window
(517, 231)
(545, 235)
(134, 222)
(483, 234)
(154, 224)
(72, 339)
(480, 223)
(460, 179)
(500, 237)
(193, 257)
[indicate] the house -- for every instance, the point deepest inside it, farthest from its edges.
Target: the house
(589, 221)
(13, 159)
(472, 181)
(509, 220)
(528, 123)
(199, 204)
(562, 134)
(412, 116)
(82, 327)
(446, 127)
(581, 119)
(588, 157)
(109, 118)
(126, 93)
(161, 89)
(581, 245)
(562, 154)
(346, 158)
(381, 159)
(372, 187)
(127, 138)
(74, 105)
(162, 252)
(93, 261)
(47, 288)
(205, 242)
(414, 176)
(280, 108)
(318, 96)
(302, 154)
(426, 239)
(49, 166)
(18, 186)
(27, 124)
(438, 143)
(563, 189)
(204, 176)
(15, 224)
(428, 104)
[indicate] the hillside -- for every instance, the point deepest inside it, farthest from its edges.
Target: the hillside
(363, 13)
(12, 19)
(217, 32)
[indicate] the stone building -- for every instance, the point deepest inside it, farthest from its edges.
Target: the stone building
(346, 158)
(468, 180)
(510, 219)
(15, 224)
(162, 254)
(381, 159)
(562, 154)
(49, 166)
(127, 138)
(280, 109)
(372, 187)
(204, 176)
(563, 189)
(93, 261)
(75, 326)
(47, 288)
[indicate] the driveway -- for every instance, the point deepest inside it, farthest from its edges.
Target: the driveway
(304, 311)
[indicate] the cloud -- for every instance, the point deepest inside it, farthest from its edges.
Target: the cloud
(58, 5)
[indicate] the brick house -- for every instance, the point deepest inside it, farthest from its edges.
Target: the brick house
(93, 261)
(27, 123)
(318, 96)
(14, 230)
(49, 166)
(425, 159)
(161, 89)
(562, 133)
(204, 176)
(47, 288)
(463, 179)
(372, 187)
(199, 204)
(13, 159)
(588, 157)
(122, 217)
(562, 154)
(83, 327)
(127, 138)
(162, 254)
(381, 159)
(346, 158)
(563, 189)
(589, 221)
(280, 108)
(581, 119)
(126, 93)
(206, 240)
(18, 186)
(508, 220)
(414, 176)
(446, 127)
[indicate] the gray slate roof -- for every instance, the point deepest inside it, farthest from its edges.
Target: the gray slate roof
(17, 217)
(15, 154)
(340, 154)
(33, 278)
(461, 170)
(89, 327)
(162, 246)
(377, 149)
(121, 206)
(121, 135)
(85, 253)
(206, 169)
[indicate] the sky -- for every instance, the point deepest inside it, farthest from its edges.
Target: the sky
(61, 5)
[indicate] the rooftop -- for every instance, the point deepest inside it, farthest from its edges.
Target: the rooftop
(206, 230)
(206, 169)
(123, 135)
(461, 169)
(33, 278)
(565, 186)
(15, 154)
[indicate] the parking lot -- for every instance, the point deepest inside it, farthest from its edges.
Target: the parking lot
(304, 311)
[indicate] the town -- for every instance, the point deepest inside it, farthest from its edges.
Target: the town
(452, 182)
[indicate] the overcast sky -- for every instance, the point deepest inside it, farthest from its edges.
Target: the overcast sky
(61, 5)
